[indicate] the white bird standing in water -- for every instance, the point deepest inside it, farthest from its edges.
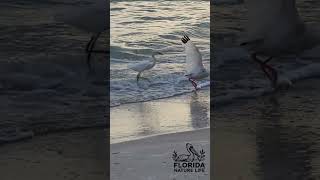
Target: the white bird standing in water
(275, 28)
(91, 18)
(194, 66)
(144, 65)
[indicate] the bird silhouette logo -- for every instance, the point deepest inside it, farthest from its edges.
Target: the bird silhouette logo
(192, 155)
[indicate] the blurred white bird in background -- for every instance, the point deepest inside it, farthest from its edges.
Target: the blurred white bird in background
(274, 29)
(194, 66)
(91, 18)
(144, 65)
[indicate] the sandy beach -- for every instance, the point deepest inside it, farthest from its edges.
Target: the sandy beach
(82, 155)
(151, 158)
(272, 137)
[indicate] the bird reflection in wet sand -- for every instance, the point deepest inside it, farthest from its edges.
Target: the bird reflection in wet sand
(199, 111)
(276, 29)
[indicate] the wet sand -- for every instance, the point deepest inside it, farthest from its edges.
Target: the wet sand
(170, 115)
(151, 158)
(273, 137)
(80, 155)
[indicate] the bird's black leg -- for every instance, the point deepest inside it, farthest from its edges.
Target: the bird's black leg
(270, 72)
(89, 44)
(194, 83)
(89, 49)
(138, 76)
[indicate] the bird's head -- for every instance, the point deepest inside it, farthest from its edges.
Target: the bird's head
(156, 53)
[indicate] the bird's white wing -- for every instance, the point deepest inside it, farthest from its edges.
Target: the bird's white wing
(271, 18)
(141, 66)
(193, 57)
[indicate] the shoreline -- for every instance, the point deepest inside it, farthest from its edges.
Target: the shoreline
(132, 158)
(291, 114)
(27, 136)
(186, 112)
(157, 135)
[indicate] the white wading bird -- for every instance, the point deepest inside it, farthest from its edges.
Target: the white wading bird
(194, 67)
(90, 18)
(276, 29)
(144, 65)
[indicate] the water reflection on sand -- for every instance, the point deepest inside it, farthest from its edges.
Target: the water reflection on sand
(177, 114)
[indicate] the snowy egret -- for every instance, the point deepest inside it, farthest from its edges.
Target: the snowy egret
(194, 66)
(275, 29)
(91, 18)
(144, 65)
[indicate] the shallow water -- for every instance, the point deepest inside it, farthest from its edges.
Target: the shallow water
(137, 29)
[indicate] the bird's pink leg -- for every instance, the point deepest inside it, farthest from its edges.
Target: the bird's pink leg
(194, 83)
(270, 72)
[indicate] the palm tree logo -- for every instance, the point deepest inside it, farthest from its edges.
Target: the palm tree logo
(192, 155)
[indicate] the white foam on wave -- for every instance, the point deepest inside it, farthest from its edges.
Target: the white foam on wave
(307, 71)
(158, 87)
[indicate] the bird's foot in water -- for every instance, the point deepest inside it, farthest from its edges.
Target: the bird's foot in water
(194, 84)
(143, 78)
(141, 84)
